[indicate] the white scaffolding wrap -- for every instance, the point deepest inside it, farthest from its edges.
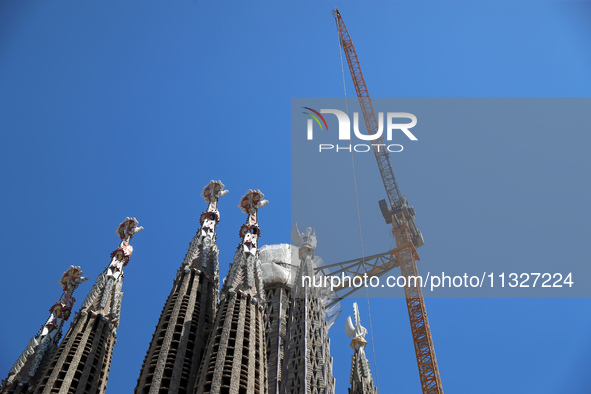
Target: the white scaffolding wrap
(280, 265)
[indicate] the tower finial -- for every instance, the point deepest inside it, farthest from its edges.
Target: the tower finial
(211, 217)
(120, 256)
(306, 241)
(128, 228)
(213, 191)
(250, 231)
(357, 332)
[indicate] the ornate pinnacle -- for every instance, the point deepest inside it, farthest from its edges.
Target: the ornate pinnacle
(71, 279)
(60, 311)
(252, 201)
(120, 256)
(213, 191)
(210, 218)
(357, 332)
(250, 232)
(128, 228)
(307, 242)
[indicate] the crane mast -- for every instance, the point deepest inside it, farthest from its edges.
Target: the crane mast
(401, 216)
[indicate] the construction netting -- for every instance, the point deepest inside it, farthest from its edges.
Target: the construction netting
(280, 264)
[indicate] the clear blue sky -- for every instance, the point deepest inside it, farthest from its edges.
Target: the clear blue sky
(117, 109)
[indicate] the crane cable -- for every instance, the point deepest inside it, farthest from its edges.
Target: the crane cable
(373, 349)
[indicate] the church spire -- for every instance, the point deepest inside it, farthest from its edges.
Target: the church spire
(361, 381)
(23, 373)
(105, 296)
(235, 357)
(206, 237)
(81, 363)
(176, 349)
(244, 274)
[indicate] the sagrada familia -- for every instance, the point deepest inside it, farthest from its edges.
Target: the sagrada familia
(264, 331)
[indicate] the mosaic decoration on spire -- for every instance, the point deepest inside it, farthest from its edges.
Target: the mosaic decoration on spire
(211, 217)
(250, 231)
(120, 256)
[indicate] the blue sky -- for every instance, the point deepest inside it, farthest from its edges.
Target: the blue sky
(118, 109)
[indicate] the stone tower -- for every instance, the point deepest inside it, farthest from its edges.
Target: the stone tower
(309, 365)
(279, 264)
(24, 374)
(235, 357)
(361, 381)
(176, 349)
(81, 362)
